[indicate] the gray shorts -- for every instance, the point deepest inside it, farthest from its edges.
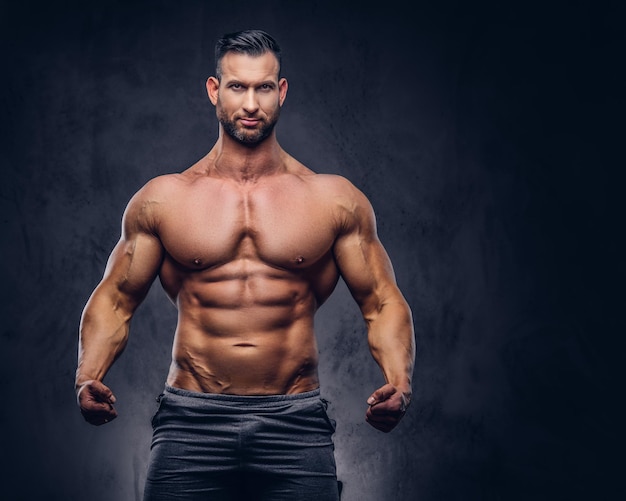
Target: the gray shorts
(231, 447)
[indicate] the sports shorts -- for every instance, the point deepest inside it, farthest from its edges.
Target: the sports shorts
(216, 447)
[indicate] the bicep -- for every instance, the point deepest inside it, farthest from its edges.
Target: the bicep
(135, 260)
(133, 265)
(364, 263)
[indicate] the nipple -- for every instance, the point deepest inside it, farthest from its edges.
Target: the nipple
(300, 260)
(197, 262)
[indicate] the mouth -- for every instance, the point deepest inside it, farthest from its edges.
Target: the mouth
(249, 122)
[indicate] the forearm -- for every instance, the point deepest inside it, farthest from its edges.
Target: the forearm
(103, 335)
(392, 343)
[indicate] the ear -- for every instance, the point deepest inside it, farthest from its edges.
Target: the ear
(212, 86)
(282, 89)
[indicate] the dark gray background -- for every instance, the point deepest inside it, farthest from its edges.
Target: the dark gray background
(488, 138)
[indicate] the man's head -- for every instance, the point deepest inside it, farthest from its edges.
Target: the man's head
(249, 42)
(247, 91)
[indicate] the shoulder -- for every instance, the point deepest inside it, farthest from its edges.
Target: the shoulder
(337, 186)
(331, 184)
(350, 206)
(342, 192)
(161, 189)
(144, 207)
(161, 186)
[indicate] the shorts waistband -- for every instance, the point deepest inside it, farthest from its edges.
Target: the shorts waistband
(224, 397)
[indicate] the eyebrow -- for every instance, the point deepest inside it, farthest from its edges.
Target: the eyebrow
(271, 83)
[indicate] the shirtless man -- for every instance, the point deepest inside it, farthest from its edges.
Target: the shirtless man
(248, 243)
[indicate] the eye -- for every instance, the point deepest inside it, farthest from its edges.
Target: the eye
(266, 87)
(235, 86)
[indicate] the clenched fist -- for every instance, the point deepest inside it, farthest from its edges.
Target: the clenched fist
(96, 401)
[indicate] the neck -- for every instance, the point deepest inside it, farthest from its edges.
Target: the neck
(243, 163)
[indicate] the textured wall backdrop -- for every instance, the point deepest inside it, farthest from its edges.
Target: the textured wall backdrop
(486, 138)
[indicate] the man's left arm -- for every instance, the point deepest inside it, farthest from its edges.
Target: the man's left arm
(368, 273)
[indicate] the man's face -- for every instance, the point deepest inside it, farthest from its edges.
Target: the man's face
(249, 96)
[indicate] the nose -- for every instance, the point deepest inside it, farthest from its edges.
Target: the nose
(250, 103)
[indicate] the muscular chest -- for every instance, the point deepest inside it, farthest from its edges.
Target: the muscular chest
(280, 224)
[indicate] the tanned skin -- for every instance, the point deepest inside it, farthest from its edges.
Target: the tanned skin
(248, 243)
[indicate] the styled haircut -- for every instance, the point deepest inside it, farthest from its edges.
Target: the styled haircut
(250, 42)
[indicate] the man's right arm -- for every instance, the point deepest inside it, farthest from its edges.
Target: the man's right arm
(130, 271)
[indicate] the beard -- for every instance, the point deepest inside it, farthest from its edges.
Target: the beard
(244, 135)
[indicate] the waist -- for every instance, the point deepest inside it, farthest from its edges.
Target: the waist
(245, 399)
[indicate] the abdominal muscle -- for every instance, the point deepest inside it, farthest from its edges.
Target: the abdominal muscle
(249, 335)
